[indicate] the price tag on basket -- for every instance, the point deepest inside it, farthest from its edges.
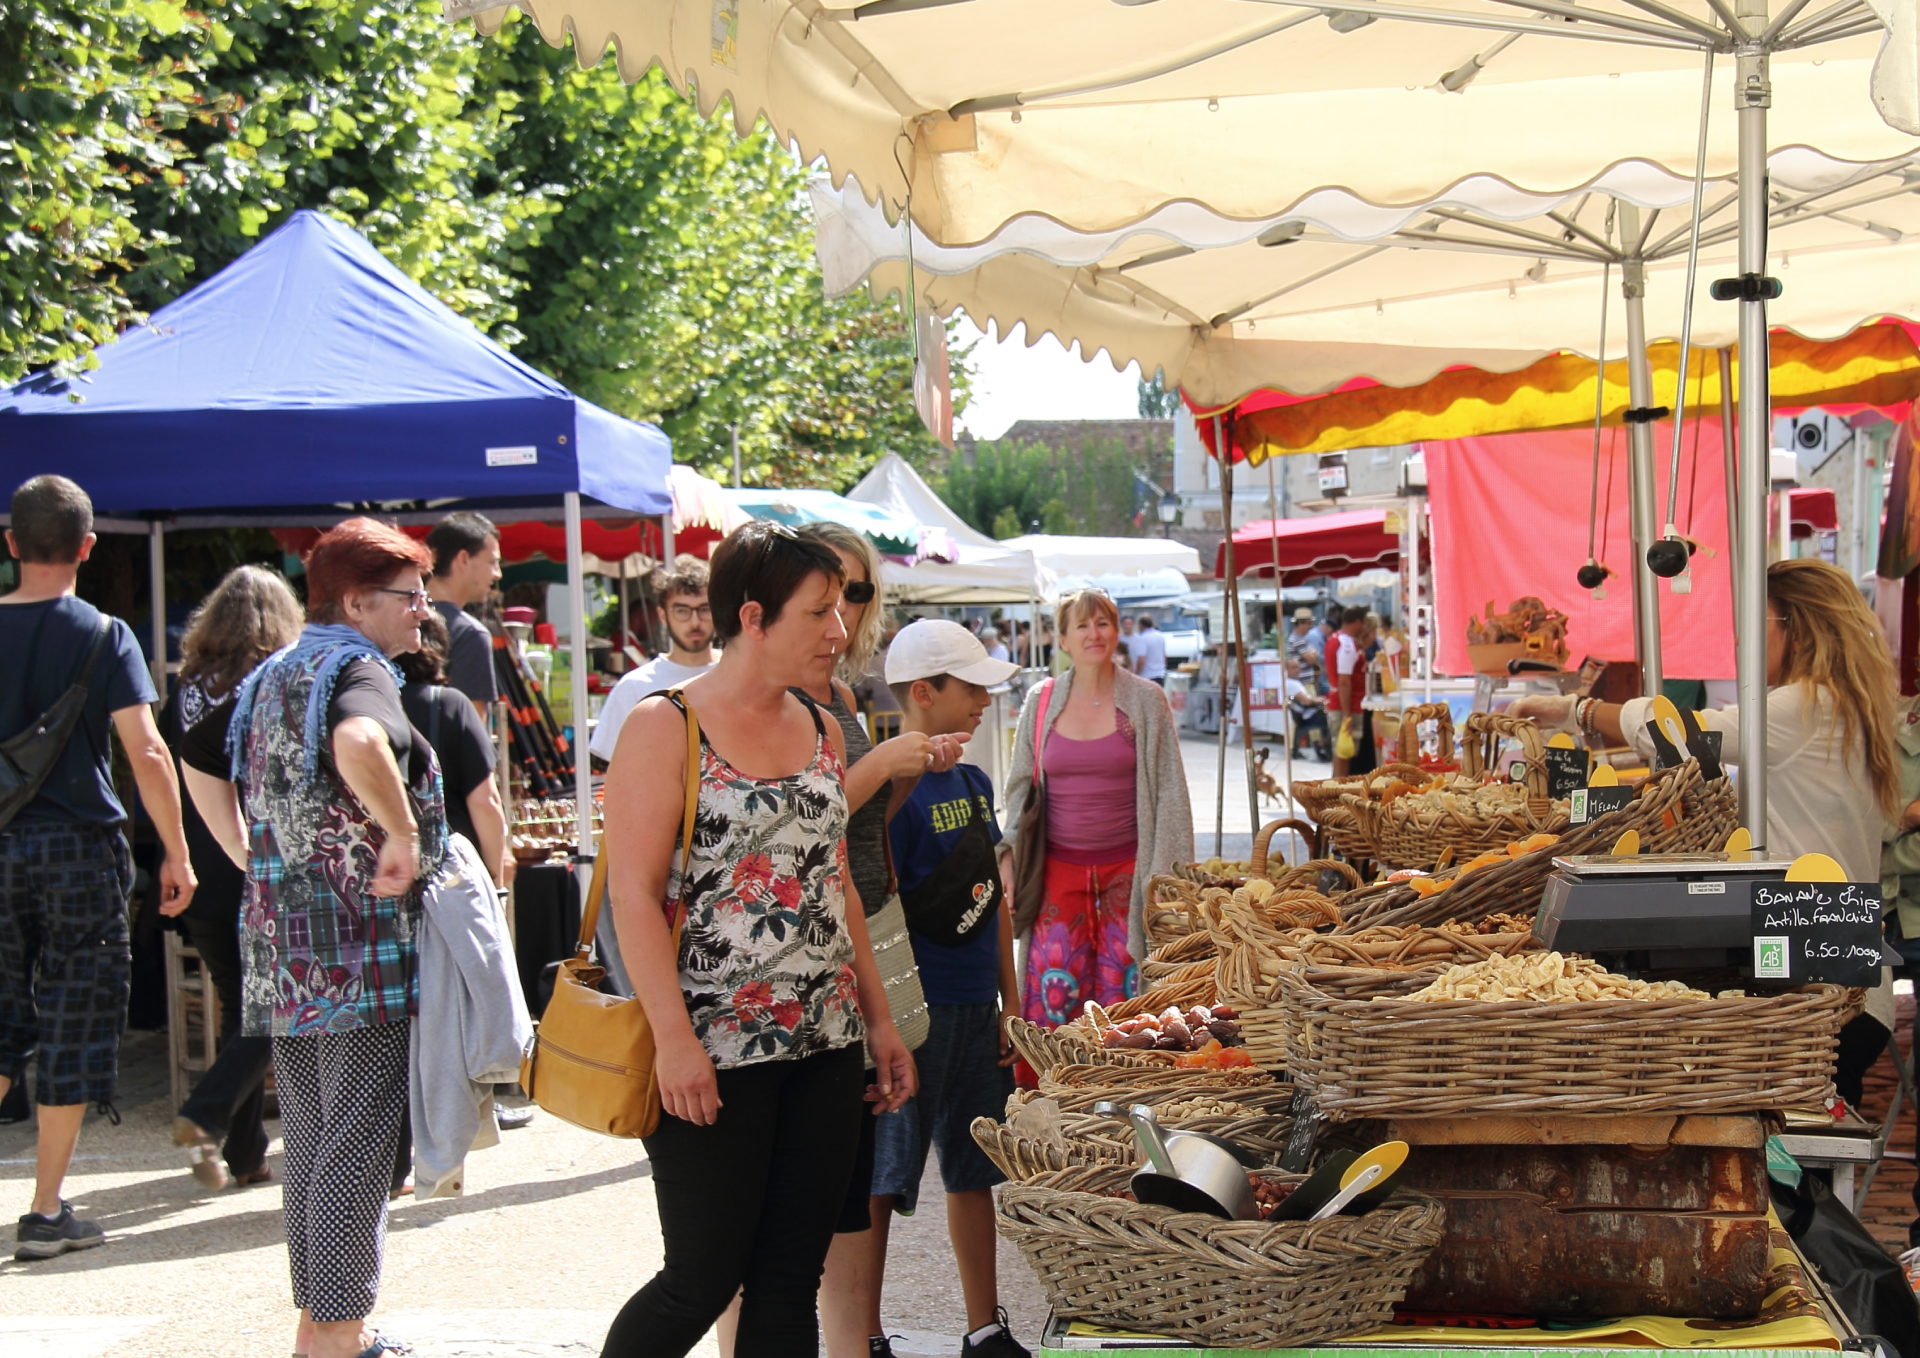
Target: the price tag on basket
(1602, 795)
(1566, 765)
(1307, 1122)
(1815, 926)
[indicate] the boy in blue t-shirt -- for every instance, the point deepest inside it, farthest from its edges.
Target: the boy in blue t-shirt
(943, 840)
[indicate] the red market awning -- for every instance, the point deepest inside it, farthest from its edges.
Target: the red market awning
(1812, 509)
(1335, 545)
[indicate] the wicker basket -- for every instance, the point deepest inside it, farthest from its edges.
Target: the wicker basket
(1169, 959)
(1395, 1057)
(1675, 812)
(1230, 1284)
(1324, 800)
(1097, 1139)
(1078, 1088)
(1446, 757)
(1259, 865)
(1410, 832)
(1074, 1044)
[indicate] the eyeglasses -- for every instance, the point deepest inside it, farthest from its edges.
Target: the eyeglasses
(416, 598)
(858, 591)
(688, 612)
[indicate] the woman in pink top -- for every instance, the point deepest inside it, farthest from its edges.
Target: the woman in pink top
(1117, 813)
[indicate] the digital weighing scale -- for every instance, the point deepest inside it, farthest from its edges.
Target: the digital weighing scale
(1655, 912)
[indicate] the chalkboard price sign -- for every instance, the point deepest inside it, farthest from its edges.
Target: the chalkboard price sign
(1715, 740)
(1566, 770)
(1307, 1121)
(1590, 802)
(1816, 931)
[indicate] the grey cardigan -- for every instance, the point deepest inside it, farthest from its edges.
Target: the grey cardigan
(1161, 808)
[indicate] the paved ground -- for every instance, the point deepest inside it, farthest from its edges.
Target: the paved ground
(557, 1229)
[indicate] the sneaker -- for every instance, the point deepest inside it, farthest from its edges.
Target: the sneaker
(203, 1153)
(507, 1118)
(49, 1237)
(1910, 1261)
(994, 1341)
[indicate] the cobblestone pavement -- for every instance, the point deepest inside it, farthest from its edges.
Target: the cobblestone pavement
(556, 1230)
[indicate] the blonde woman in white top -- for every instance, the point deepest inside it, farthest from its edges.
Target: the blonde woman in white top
(1832, 774)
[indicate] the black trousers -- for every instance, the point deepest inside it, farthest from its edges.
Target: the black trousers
(230, 1099)
(749, 1205)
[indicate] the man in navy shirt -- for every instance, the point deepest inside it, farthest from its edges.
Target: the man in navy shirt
(65, 873)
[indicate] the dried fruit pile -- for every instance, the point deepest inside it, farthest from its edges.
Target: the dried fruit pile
(1552, 977)
(1176, 1030)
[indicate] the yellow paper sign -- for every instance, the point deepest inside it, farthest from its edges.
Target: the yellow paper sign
(1604, 776)
(1740, 841)
(1627, 845)
(1816, 867)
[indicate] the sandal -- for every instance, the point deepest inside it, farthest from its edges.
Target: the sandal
(262, 1175)
(203, 1153)
(382, 1344)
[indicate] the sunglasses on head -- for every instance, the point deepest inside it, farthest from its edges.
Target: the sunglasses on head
(858, 591)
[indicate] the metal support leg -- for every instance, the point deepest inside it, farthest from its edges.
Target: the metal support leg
(1640, 487)
(1752, 96)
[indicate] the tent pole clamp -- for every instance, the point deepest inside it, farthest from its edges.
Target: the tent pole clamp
(1646, 414)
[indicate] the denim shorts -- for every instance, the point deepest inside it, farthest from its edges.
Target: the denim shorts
(961, 1079)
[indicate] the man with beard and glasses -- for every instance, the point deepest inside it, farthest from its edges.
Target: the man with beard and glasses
(682, 593)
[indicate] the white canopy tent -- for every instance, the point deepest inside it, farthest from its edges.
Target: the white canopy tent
(982, 571)
(1488, 276)
(1069, 555)
(968, 113)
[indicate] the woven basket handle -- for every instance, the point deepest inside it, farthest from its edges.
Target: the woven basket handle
(1441, 716)
(1305, 829)
(1485, 732)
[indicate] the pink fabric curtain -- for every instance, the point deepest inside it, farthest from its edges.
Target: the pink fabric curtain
(1510, 519)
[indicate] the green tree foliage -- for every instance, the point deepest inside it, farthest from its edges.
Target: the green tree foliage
(1005, 489)
(645, 256)
(1156, 402)
(93, 109)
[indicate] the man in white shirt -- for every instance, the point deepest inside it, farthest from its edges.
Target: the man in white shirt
(683, 606)
(1149, 652)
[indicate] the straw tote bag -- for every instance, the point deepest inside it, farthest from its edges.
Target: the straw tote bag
(591, 1060)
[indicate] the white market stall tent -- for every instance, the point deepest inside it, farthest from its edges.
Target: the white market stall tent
(982, 571)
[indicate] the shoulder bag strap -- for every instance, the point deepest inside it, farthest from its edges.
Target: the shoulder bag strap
(1045, 700)
(597, 887)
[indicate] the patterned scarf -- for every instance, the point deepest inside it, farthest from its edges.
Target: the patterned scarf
(323, 648)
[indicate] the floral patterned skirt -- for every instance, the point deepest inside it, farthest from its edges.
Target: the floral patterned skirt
(1077, 950)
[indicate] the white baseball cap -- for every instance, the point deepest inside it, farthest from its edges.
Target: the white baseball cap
(932, 646)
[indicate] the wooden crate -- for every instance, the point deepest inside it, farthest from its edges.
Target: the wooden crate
(1585, 1217)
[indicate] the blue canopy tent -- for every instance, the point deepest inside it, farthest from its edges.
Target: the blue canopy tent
(310, 379)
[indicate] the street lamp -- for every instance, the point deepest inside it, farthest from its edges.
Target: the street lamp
(1169, 513)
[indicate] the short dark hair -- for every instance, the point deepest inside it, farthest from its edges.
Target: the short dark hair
(457, 533)
(762, 562)
(51, 519)
(687, 575)
(903, 691)
(1353, 613)
(1146, 620)
(428, 665)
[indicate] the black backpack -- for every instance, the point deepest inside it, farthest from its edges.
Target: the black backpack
(27, 759)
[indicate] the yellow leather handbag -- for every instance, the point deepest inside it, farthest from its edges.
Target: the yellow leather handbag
(591, 1060)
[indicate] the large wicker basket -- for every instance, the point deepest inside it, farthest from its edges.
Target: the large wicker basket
(1676, 811)
(1075, 1044)
(1420, 832)
(1229, 1284)
(1078, 1088)
(1324, 799)
(1098, 1139)
(1261, 864)
(1395, 1057)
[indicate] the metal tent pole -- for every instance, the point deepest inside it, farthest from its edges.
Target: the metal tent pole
(157, 602)
(1752, 96)
(1640, 487)
(1729, 444)
(1223, 457)
(577, 647)
(1287, 733)
(666, 539)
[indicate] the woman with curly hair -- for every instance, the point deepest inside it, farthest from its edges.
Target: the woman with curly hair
(250, 614)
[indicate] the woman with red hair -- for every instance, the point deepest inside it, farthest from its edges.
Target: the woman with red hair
(337, 821)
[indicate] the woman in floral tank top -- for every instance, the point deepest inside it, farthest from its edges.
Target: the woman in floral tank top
(759, 1017)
